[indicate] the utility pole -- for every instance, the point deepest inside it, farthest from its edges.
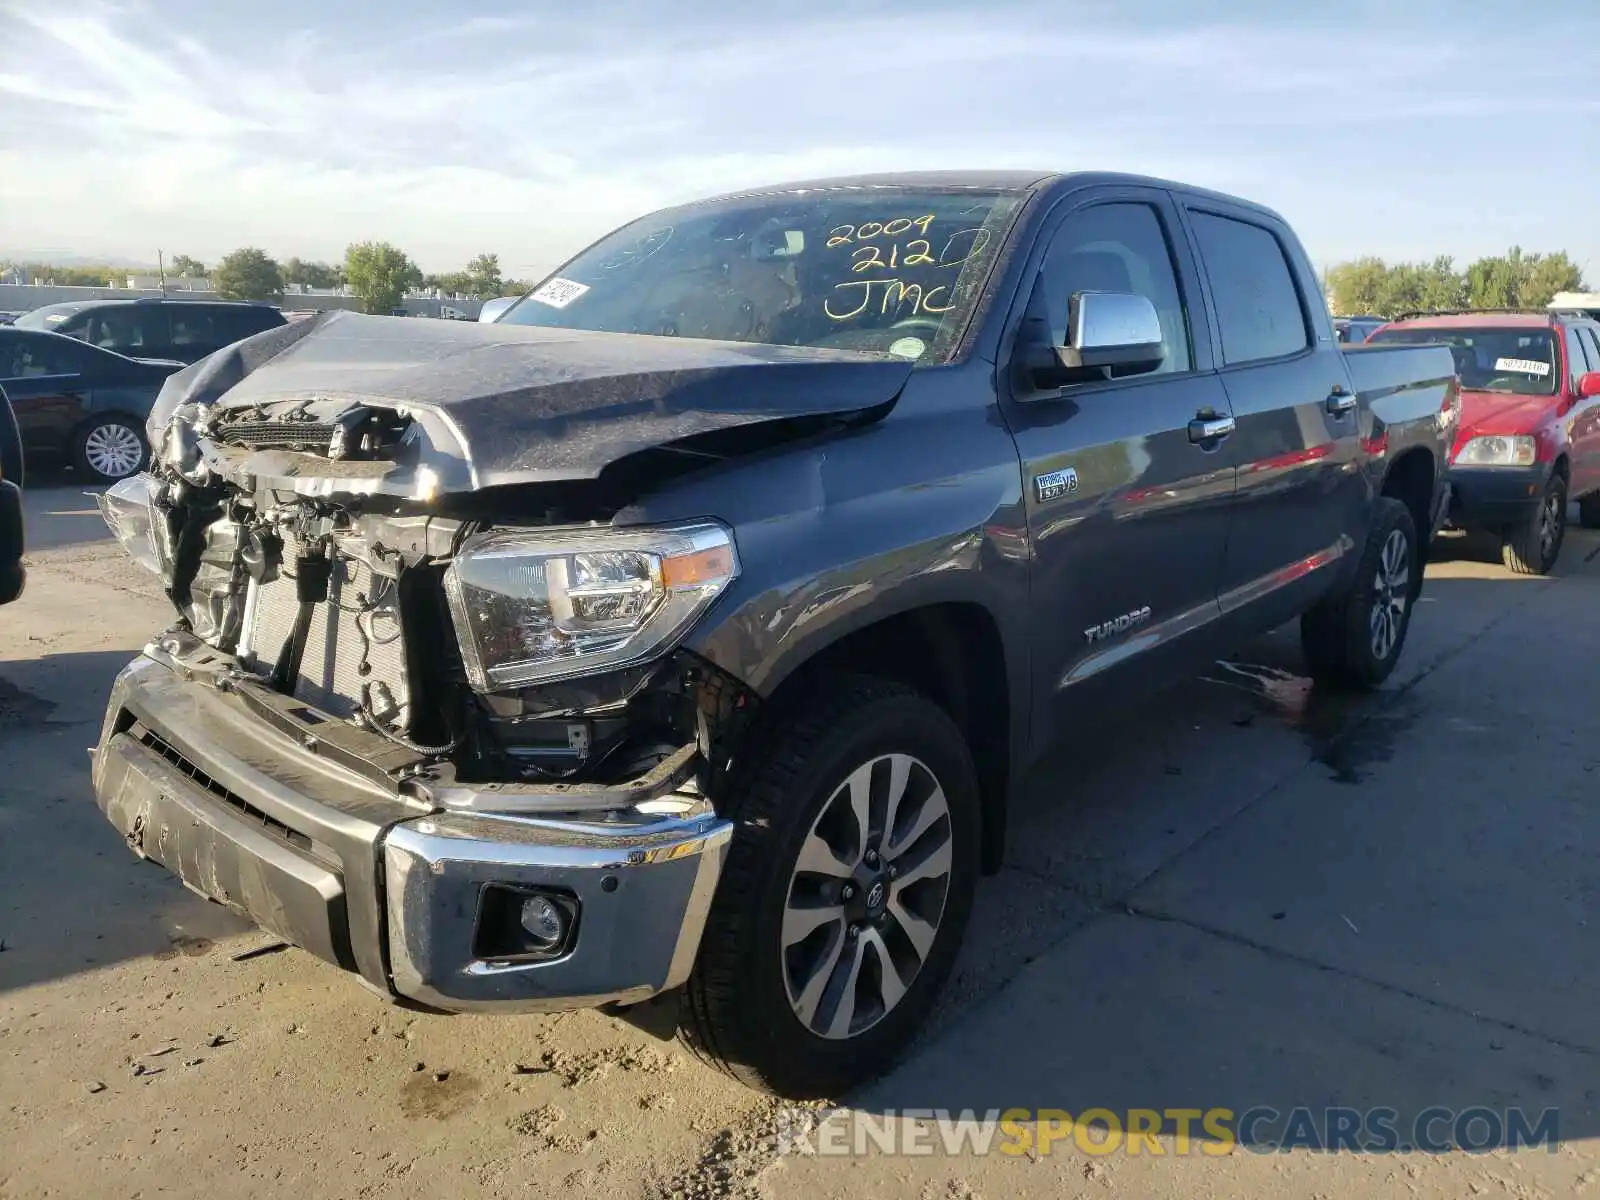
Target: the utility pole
(161, 269)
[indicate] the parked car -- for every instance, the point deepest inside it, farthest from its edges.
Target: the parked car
(492, 309)
(683, 635)
(79, 403)
(7, 317)
(13, 575)
(152, 327)
(1355, 329)
(1529, 437)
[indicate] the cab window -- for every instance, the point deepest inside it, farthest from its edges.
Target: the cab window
(1120, 247)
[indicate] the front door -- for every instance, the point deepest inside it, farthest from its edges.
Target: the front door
(1128, 483)
(43, 376)
(1301, 485)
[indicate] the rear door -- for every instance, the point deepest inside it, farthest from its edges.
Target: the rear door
(1303, 499)
(1127, 499)
(43, 375)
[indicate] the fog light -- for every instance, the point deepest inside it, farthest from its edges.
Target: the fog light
(525, 924)
(544, 921)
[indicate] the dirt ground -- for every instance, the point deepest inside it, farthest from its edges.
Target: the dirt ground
(1244, 895)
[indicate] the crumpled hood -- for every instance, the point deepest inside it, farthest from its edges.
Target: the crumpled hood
(500, 404)
(1499, 412)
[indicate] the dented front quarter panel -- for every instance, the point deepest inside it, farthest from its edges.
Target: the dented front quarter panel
(924, 507)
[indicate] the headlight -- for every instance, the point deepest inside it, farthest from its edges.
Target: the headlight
(1498, 451)
(130, 513)
(532, 606)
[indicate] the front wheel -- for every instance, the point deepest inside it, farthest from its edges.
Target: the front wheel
(108, 448)
(1533, 544)
(845, 895)
(1354, 637)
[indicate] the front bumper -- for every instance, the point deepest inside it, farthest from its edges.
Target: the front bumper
(1486, 497)
(12, 573)
(371, 881)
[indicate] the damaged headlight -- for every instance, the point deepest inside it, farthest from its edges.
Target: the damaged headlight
(130, 512)
(532, 606)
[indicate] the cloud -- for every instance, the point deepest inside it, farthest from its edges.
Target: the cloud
(200, 127)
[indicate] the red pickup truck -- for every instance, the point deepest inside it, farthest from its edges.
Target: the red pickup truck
(1529, 435)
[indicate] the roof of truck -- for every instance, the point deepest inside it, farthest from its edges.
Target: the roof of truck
(1003, 180)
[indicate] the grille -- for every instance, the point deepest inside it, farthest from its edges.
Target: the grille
(285, 435)
(359, 623)
(151, 740)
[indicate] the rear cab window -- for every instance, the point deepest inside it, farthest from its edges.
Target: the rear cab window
(1258, 308)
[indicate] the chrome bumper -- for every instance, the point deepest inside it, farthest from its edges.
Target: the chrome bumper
(367, 880)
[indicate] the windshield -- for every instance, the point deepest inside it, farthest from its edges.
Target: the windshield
(895, 271)
(45, 318)
(1517, 361)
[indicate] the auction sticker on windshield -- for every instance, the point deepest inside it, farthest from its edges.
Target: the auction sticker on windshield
(1523, 366)
(558, 293)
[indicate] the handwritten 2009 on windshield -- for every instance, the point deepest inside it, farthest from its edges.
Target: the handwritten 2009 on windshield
(877, 246)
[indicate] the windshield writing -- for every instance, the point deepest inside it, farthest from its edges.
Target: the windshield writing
(892, 271)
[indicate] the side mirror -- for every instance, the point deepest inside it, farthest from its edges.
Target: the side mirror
(1104, 330)
(1589, 385)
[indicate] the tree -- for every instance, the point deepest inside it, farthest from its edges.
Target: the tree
(182, 264)
(483, 277)
(312, 274)
(1510, 280)
(248, 274)
(379, 274)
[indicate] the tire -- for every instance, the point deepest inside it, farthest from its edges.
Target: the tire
(110, 447)
(1589, 511)
(11, 461)
(1353, 639)
(744, 999)
(1532, 545)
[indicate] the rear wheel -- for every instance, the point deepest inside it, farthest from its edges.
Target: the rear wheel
(1532, 545)
(845, 894)
(110, 447)
(1354, 638)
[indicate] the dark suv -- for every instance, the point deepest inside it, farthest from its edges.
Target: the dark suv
(151, 327)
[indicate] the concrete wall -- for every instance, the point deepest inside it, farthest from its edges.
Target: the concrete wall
(28, 296)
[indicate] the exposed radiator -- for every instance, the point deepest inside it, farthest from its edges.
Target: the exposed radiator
(331, 676)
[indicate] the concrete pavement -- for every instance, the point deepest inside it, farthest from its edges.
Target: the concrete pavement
(1246, 894)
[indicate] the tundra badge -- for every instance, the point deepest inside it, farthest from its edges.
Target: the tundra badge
(1100, 632)
(1056, 484)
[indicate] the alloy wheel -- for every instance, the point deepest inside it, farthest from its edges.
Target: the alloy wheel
(866, 896)
(1391, 594)
(113, 449)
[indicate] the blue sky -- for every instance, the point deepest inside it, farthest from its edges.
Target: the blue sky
(1405, 130)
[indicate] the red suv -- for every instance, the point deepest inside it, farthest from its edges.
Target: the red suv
(1529, 436)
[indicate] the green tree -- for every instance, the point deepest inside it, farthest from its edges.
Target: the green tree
(312, 274)
(379, 274)
(1354, 287)
(248, 274)
(1549, 274)
(483, 277)
(182, 264)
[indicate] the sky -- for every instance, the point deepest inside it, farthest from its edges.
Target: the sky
(1406, 130)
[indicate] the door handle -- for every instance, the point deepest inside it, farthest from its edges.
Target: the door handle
(1340, 401)
(1209, 429)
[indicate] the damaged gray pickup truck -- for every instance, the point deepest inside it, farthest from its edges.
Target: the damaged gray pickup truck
(675, 643)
